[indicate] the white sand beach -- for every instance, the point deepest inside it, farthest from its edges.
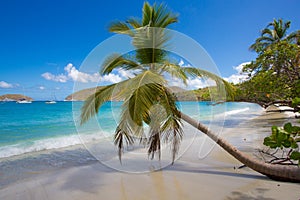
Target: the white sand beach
(215, 176)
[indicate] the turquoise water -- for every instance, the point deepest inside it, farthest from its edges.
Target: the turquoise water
(26, 128)
(38, 137)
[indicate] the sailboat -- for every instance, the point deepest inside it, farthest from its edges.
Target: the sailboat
(51, 101)
(23, 100)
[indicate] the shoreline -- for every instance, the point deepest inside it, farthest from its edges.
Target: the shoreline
(191, 177)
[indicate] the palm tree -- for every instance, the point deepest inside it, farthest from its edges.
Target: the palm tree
(147, 98)
(275, 32)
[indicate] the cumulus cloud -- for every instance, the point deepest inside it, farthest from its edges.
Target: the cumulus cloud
(72, 73)
(57, 78)
(4, 84)
(240, 76)
(127, 74)
(192, 83)
(42, 88)
(197, 83)
(113, 78)
(78, 76)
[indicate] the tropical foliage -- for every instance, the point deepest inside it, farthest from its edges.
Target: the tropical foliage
(275, 73)
(275, 32)
(286, 140)
(147, 100)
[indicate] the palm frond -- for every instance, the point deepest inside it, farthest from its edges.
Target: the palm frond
(147, 14)
(120, 27)
(135, 23)
(294, 37)
(144, 90)
(174, 70)
(127, 131)
(221, 83)
(172, 126)
(274, 32)
(143, 98)
(139, 99)
(162, 18)
(95, 101)
(117, 61)
(265, 39)
(150, 44)
(165, 123)
(122, 136)
(91, 106)
(154, 144)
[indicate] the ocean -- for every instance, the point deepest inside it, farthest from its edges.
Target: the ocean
(38, 126)
(40, 137)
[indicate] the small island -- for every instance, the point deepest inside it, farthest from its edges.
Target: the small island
(14, 97)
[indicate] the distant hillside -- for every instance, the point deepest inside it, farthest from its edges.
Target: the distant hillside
(181, 94)
(176, 89)
(14, 97)
(81, 95)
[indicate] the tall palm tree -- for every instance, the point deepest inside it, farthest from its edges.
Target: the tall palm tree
(275, 32)
(146, 97)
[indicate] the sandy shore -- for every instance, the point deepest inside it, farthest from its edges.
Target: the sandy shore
(215, 176)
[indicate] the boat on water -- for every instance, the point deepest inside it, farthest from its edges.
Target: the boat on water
(50, 102)
(23, 101)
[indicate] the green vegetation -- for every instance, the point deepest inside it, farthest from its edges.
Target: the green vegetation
(147, 98)
(275, 32)
(275, 73)
(284, 139)
(273, 76)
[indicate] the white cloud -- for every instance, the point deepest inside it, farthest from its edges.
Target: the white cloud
(126, 74)
(240, 76)
(113, 78)
(181, 63)
(42, 88)
(71, 73)
(57, 78)
(4, 84)
(78, 76)
(197, 83)
(194, 83)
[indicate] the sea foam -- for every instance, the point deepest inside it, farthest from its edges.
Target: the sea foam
(49, 144)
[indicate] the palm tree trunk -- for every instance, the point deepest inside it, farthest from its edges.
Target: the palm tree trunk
(276, 172)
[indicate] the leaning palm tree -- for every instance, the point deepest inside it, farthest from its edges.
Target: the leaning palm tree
(147, 100)
(275, 32)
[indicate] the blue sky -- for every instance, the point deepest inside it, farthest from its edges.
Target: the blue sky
(43, 42)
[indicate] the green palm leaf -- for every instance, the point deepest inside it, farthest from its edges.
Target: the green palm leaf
(174, 70)
(120, 27)
(274, 32)
(95, 101)
(135, 23)
(117, 61)
(146, 99)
